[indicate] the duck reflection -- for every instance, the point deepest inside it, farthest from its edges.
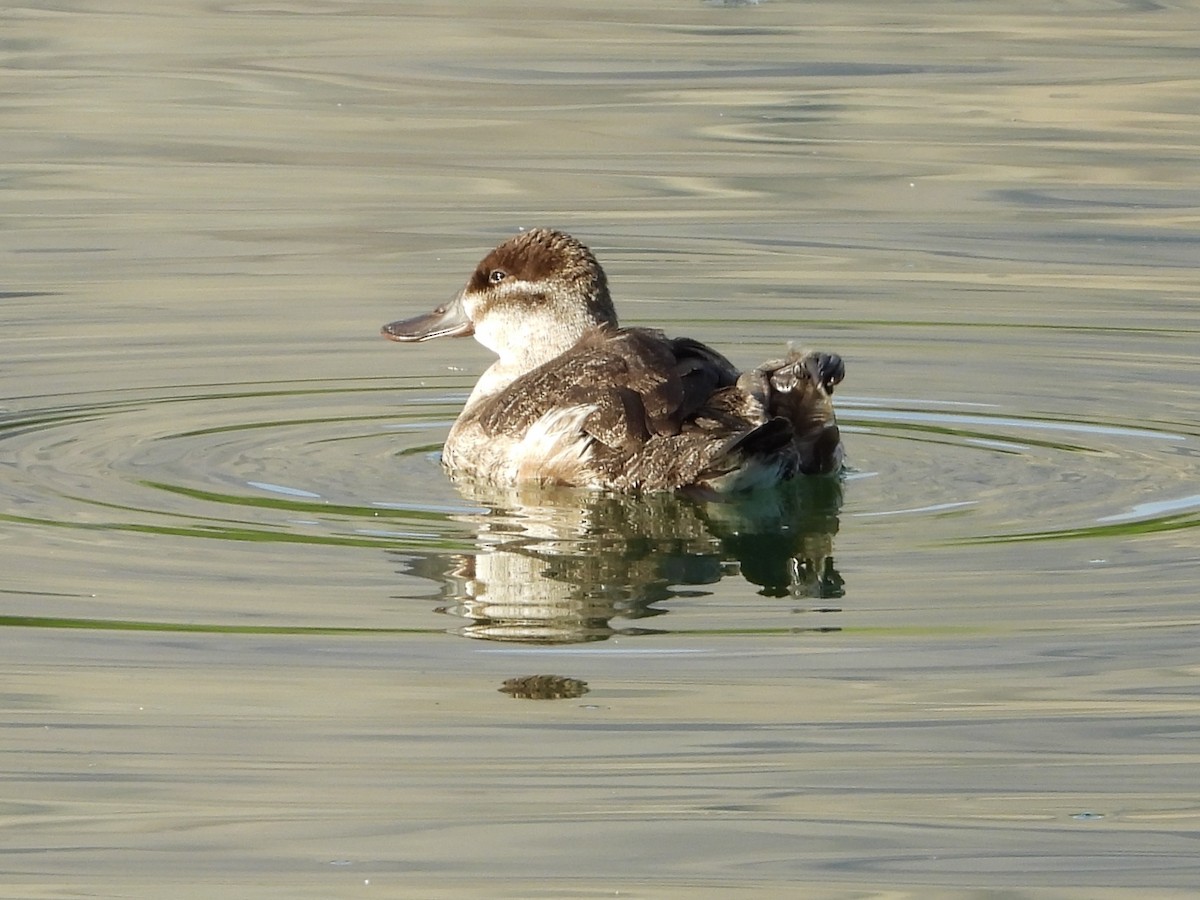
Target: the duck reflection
(557, 565)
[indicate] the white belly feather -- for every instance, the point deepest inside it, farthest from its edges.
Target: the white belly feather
(554, 450)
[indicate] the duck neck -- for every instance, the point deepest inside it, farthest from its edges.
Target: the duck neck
(523, 345)
(531, 351)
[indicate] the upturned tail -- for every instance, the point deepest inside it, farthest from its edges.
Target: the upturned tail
(799, 389)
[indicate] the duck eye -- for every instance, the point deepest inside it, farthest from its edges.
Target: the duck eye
(497, 276)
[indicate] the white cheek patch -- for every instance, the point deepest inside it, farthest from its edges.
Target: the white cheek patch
(502, 325)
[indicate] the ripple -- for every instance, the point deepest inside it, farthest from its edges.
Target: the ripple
(348, 465)
(303, 462)
(355, 461)
(977, 475)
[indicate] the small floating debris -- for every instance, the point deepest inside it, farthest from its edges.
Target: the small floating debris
(1087, 816)
(544, 687)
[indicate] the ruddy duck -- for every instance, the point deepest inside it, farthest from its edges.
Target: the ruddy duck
(575, 399)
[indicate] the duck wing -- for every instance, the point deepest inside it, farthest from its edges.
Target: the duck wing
(637, 382)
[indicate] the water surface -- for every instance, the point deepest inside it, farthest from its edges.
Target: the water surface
(255, 640)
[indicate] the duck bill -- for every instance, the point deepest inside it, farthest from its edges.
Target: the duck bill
(448, 320)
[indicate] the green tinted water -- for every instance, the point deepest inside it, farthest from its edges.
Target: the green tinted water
(254, 639)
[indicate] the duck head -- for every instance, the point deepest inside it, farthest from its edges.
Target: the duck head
(529, 300)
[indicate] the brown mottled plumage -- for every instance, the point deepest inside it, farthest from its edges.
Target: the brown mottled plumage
(575, 399)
